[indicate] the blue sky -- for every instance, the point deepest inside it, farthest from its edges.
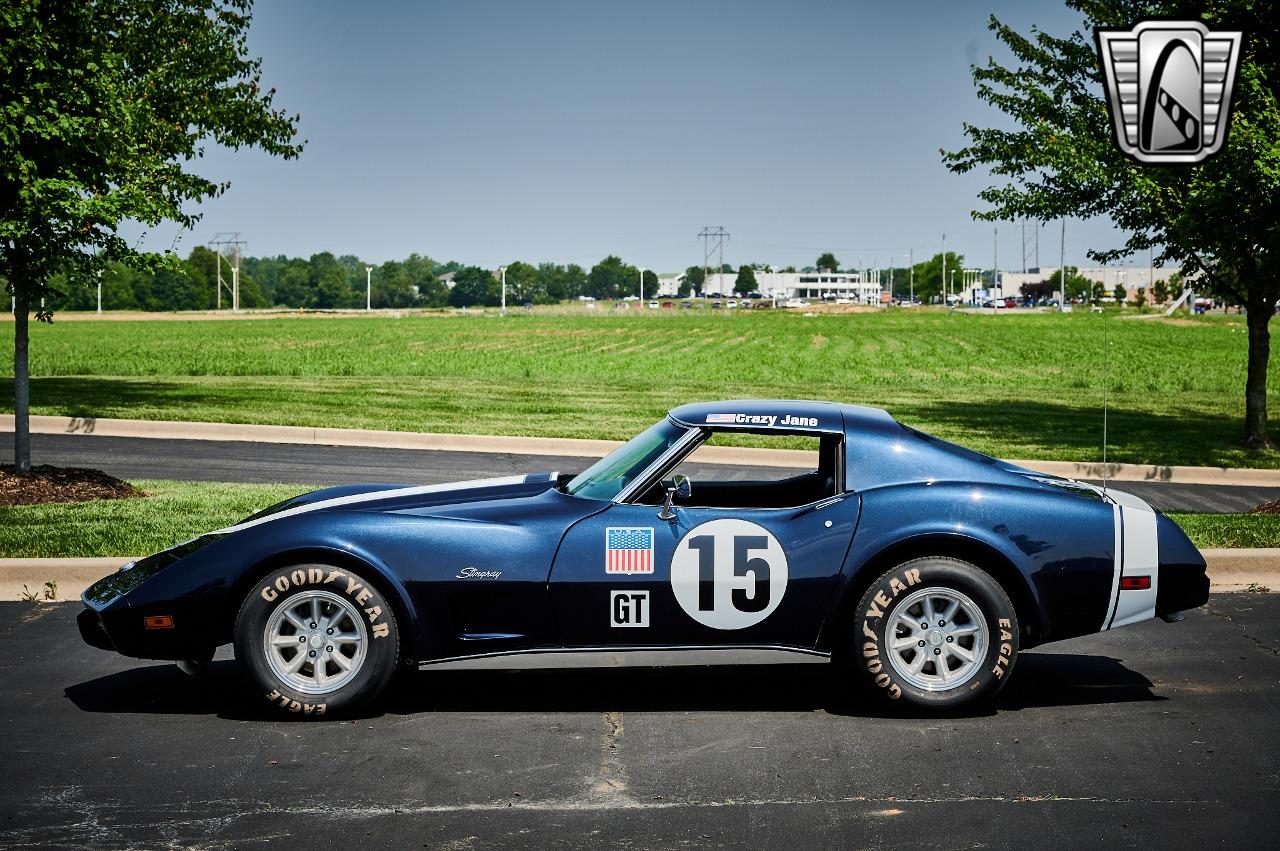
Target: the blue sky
(492, 131)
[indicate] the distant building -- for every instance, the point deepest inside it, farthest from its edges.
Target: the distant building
(858, 287)
(1132, 278)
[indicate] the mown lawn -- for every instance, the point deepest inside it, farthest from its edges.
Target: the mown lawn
(174, 512)
(1016, 386)
(177, 511)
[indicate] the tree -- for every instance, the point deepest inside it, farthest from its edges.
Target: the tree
(1140, 300)
(475, 286)
(929, 275)
(828, 261)
(1037, 290)
(105, 108)
(650, 283)
(420, 275)
(1120, 293)
(611, 278)
(696, 276)
(1216, 219)
(523, 284)
(1160, 291)
(746, 282)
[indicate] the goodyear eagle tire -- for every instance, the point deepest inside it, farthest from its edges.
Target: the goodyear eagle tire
(935, 634)
(317, 640)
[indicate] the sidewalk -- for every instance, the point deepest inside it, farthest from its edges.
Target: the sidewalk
(572, 447)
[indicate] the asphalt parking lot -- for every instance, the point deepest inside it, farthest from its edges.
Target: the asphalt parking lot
(1155, 733)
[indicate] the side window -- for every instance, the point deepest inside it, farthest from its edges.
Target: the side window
(811, 474)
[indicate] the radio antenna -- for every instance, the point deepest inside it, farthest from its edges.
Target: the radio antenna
(1106, 381)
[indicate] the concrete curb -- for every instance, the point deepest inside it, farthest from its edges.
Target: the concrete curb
(575, 447)
(1229, 571)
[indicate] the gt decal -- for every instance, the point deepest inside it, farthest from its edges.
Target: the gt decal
(729, 574)
(353, 588)
(628, 608)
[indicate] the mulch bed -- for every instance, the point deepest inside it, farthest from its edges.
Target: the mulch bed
(1272, 507)
(60, 484)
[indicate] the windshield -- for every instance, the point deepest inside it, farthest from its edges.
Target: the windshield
(606, 478)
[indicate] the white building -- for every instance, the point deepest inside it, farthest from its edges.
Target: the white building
(859, 287)
(1132, 278)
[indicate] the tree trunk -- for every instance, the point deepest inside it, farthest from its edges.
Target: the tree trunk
(1255, 388)
(21, 385)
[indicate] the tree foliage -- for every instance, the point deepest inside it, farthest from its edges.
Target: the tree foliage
(746, 280)
(828, 261)
(1219, 219)
(105, 107)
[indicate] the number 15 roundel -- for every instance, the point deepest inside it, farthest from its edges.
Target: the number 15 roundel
(729, 574)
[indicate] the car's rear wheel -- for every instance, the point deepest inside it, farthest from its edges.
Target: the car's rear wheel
(317, 640)
(934, 633)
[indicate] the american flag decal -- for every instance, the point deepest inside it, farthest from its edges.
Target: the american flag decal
(628, 549)
(722, 418)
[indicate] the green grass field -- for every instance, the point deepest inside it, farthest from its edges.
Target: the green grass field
(177, 511)
(1016, 386)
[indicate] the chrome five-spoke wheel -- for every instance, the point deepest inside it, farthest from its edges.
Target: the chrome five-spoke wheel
(316, 642)
(937, 638)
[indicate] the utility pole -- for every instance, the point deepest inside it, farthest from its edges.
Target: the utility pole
(368, 288)
(99, 290)
(945, 291)
(503, 270)
(642, 271)
(221, 241)
(911, 261)
(719, 234)
(1062, 274)
(995, 260)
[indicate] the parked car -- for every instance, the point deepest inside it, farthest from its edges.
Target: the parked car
(653, 305)
(919, 568)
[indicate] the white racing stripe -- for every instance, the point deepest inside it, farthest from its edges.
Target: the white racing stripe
(1118, 520)
(376, 496)
(1137, 554)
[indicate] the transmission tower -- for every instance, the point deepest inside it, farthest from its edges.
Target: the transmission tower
(229, 245)
(719, 234)
(1031, 244)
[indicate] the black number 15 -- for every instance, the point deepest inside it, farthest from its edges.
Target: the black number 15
(743, 564)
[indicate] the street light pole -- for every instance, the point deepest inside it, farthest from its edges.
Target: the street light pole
(642, 271)
(503, 271)
(99, 290)
(911, 261)
(1062, 261)
(368, 288)
(945, 290)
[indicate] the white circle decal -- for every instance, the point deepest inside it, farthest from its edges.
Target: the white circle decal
(729, 574)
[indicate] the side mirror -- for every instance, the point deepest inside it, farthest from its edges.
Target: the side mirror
(683, 489)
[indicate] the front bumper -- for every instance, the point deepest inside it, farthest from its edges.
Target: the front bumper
(92, 630)
(1181, 587)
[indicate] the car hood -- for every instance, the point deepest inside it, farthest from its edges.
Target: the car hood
(392, 497)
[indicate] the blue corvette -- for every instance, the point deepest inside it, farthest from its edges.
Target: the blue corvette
(920, 568)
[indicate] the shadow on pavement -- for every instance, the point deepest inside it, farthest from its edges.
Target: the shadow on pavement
(1041, 680)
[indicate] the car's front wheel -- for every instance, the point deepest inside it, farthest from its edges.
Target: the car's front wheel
(317, 640)
(936, 634)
